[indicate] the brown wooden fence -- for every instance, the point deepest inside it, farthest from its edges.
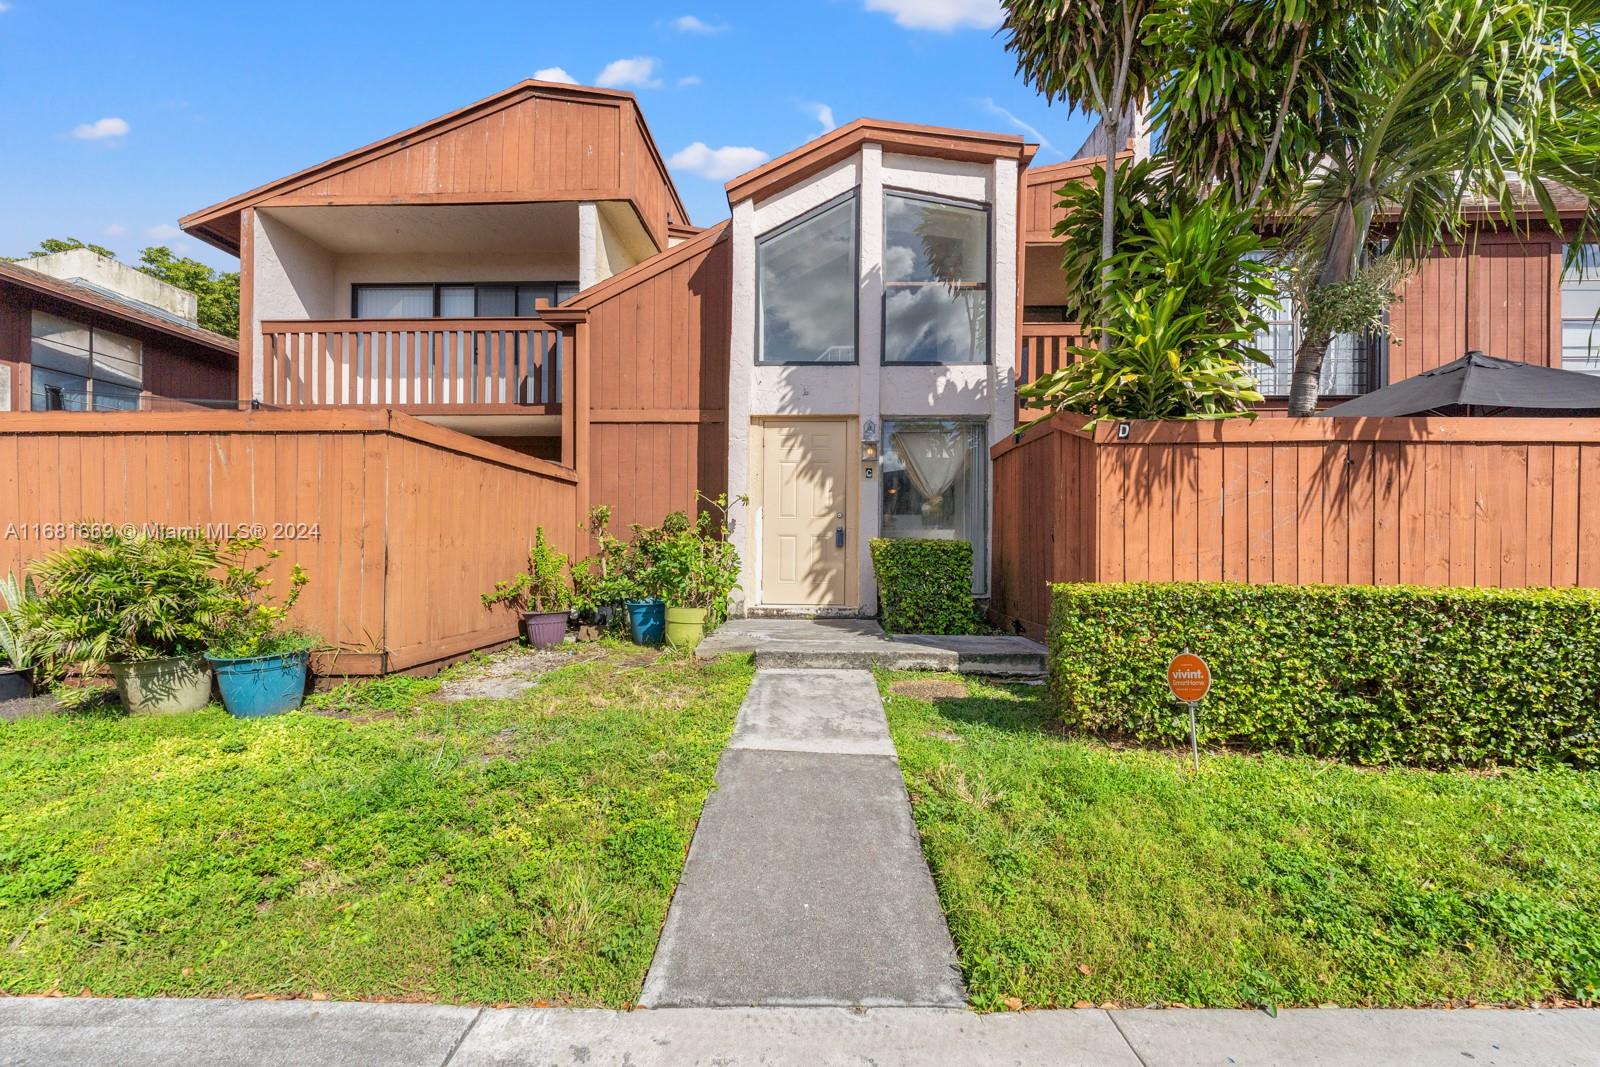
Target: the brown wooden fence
(400, 525)
(1426, 501)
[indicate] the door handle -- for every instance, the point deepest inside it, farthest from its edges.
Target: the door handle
(838, 537)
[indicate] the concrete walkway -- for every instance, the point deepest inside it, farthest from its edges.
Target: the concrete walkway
(36, 1032)
(805, 884)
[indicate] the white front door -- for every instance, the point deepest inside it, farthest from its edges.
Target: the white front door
(806, 533)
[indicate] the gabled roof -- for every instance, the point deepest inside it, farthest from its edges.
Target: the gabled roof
(899, 137)
(110, 305)
(219, 223)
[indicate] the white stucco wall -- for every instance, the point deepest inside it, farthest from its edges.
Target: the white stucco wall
(292, 278)
(868, 390)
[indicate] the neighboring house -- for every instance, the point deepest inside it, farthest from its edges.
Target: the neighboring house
(1502, 292)
(82, 333)
(839, 357)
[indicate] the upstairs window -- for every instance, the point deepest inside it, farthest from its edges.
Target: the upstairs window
(935, 280)
(806, 287)
(477, 300)
(1580, 301)
(83, 368)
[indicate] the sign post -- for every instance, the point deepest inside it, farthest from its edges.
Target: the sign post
(1189, 678)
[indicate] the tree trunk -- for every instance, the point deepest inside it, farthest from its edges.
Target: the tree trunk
(1306, 382)
(1108, 221)
(1338, 265)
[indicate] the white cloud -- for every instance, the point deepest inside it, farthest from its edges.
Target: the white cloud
(1030, 132)
(690, 24)
(717, 164)
(688, 80)
(116, 229)
(554, 74)
(4, 7)
(101, 129)
(941, 15)
(638, 71)
(821, 112)
(165, 231)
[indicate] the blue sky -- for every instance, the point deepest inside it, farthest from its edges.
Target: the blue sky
(120, 117)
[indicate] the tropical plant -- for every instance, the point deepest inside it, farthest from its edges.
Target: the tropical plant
(1182, 321)
(1411, 114)
(1094, 55)
(694, 565)
(123, 598)
(541, 588)
(250, 622)
(609, 576)
(16, 645)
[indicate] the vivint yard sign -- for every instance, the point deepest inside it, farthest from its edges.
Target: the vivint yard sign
(1189, 678)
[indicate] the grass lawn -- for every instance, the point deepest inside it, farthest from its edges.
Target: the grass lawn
(390, 845)
(1073, 871)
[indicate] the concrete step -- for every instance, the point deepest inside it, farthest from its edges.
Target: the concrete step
(860, 644)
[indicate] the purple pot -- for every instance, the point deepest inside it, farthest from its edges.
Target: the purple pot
(544, 628)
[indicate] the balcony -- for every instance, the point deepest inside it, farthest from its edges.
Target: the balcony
(1043, 349)
(472, 366)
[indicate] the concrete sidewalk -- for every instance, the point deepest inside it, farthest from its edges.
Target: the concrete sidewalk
(861, 644)
(67, 1032)
(805, 883)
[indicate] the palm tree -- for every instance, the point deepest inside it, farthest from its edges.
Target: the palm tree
(1441, 107)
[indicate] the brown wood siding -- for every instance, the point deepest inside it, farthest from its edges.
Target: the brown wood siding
(531, 149)
(657, 357)
(1484, 502)
(174, 369)
(411, 523)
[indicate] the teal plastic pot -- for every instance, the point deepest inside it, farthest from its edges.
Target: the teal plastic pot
(647, 620)
(261, 685)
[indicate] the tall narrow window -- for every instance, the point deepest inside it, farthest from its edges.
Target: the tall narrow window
(1580, 302)
(806, 288)
(934, 485)
(935, 281)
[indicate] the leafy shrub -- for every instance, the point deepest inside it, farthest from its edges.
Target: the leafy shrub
(249, 623)
(541, 588)
(610, 575)
(1181, 314)
(924, 586)
(125, 598)
(1372, 675)
(690, 562)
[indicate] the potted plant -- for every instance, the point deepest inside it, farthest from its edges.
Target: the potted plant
(540, 594)
(642, 576)
(260, 663)
(602, 583)
(699, 567)
(144, 606)
(16, 651)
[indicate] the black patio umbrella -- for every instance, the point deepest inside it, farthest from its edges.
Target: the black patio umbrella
(1477, 384)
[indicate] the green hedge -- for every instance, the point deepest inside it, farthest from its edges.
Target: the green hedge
(924, 587)
(1428, 677)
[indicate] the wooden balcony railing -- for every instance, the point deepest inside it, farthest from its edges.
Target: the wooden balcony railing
(429, 364)
(1044, 348)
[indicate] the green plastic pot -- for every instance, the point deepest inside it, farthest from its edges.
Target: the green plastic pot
(163, 686)
(686, 627)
